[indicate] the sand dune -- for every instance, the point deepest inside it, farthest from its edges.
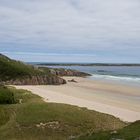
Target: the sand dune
(118, 100)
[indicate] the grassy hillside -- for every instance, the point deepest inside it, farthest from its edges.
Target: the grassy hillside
(6, 96)
(17, 73)
(11, 69)
(130, 132)
(33, 119)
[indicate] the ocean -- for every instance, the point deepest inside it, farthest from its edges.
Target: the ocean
(122, 74)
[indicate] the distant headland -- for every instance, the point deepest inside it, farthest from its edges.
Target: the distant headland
(85, 64)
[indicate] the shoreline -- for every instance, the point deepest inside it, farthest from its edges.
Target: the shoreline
(115, 99)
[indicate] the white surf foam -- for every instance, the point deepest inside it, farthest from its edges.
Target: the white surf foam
(116, 78)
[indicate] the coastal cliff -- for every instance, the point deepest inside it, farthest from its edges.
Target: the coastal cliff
(35, 80)
(17, 73)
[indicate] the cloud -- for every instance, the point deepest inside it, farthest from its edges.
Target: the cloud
(75, 26)
(47, 57)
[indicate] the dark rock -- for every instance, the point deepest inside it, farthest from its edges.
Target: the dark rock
(72, 81)
(68, 72)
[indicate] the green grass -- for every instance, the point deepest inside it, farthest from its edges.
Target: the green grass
(130, 132)
(6, 96)
(11, 69)
(20, 121)
(4, 116)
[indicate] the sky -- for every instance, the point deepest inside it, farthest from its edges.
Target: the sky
(93, 31)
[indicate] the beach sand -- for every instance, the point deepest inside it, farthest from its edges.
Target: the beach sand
(121, 101)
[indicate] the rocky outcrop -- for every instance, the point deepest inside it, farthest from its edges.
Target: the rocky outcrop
(36, 80)
(68, 72)
(14, 72)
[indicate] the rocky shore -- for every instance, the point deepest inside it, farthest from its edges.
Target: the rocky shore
(68, 72)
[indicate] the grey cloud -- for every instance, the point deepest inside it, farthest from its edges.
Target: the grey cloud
(81, 24)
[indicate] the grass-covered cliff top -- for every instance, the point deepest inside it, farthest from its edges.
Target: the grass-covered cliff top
(11, 69)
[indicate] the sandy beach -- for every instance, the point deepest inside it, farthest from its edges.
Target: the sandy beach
(119, 100)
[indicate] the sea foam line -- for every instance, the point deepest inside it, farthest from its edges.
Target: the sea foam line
(110, 77)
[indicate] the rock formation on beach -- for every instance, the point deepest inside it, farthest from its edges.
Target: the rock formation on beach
(68, 72)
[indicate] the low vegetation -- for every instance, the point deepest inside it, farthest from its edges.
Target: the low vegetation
(6, 96)
(32, 118)
(11, 69)
(130, 132)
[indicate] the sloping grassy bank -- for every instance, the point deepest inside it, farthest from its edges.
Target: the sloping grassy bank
(6, 96)
(130, 132)
(11, 69)
(35, 119)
